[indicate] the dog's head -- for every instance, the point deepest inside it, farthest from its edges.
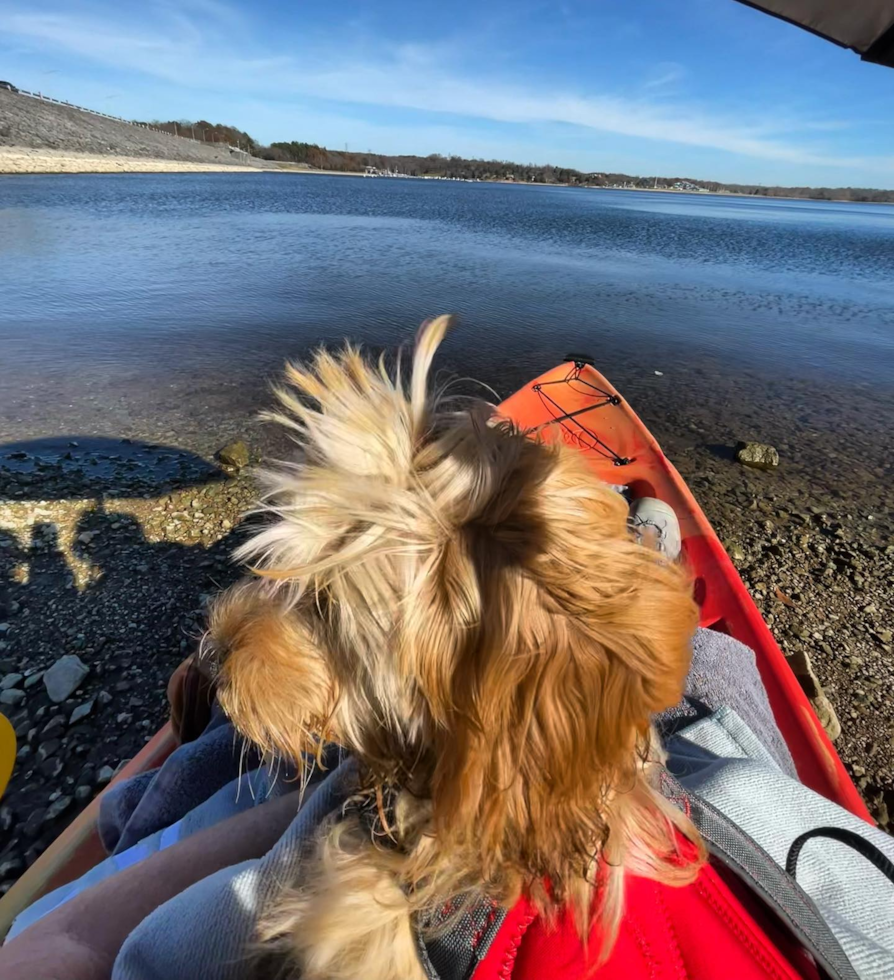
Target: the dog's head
(462, 607)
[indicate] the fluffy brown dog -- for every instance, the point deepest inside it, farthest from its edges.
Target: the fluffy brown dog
(463, 608)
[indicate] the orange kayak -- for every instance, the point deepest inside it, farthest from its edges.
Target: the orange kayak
(573, 402)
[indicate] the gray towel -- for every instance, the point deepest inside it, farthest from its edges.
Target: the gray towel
(724, 673)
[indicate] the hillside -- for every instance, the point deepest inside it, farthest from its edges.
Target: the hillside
(31, 123)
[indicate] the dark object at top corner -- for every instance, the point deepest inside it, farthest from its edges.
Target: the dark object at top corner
(866, 27)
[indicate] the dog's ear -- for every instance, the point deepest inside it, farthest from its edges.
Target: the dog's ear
(583, 635)
(273, 681)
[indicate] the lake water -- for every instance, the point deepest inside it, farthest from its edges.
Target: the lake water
(132, 302)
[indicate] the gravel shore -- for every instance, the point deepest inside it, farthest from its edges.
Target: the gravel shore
(24, 160)
(108, 553)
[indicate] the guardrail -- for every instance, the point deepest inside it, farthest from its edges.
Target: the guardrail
(131, 122)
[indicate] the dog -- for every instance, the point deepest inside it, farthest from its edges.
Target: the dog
(462, 607)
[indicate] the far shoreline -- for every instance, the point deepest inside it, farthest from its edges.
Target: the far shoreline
(30, 161)
(297, 169)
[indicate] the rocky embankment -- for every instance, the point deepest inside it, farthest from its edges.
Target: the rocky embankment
(28, 123)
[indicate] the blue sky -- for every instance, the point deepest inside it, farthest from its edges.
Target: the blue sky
(702, 88)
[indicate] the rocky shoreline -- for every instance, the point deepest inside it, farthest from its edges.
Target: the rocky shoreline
(25, 160)
(110, 549)
(107, 559)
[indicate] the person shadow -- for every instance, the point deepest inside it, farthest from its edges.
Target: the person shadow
(123, 587)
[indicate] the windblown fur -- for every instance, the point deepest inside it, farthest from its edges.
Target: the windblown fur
(463, 608)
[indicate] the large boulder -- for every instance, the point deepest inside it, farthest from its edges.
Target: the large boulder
(63, 678)
(803, 670)
(757, 455)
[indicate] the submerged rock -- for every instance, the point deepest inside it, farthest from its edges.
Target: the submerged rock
(757, 455)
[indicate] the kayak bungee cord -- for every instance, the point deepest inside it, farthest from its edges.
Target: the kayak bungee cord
(581, 433)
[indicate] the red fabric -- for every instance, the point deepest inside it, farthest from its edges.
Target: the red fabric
(701, 932)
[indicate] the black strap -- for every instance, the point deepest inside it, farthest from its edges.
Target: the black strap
(751, 864)
(855, 841)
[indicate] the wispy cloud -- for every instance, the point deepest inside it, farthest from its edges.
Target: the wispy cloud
(170, 45)
(664, 74)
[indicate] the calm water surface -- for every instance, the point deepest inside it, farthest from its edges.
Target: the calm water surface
(111, 286)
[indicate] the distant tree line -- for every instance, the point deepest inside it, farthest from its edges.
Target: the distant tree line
(205, 132)
(436, 165)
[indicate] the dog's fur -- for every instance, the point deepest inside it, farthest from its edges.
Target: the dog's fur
(463, 608)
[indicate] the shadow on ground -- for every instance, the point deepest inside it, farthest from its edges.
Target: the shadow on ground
(109, 550)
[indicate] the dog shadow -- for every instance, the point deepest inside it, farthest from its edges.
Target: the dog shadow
(97, 586)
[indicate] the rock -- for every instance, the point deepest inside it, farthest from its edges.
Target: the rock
(104, 697)
(54, 726)
(104, 775)
(7, 818)
(234, 455)
(81, 711)
(124, 718)
(48, 748)
(63, 678)
(12, 696)
(51, 768)
(83, 793)
(33, 679)
(10, 680)
(56, 808)
(85, 537)
(33, 824)
(757, 455)
(11, 867)
(803, 670)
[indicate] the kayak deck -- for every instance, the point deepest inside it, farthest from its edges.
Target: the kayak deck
(575, 403)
